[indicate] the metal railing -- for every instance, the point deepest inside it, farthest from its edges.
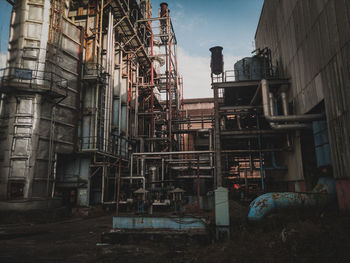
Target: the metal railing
(93, 70)
(110, 146)
(13, 77)
(247, 74)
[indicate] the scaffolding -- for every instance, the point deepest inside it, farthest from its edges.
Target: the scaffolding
(120, 124)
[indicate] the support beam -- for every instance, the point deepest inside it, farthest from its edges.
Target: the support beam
(217, 141)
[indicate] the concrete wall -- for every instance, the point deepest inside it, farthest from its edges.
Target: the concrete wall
(199, 107)
(311, 42)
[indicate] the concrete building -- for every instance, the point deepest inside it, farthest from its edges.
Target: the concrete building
(310, 43)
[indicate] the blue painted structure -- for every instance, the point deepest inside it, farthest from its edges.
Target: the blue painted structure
(322, 147)
(171, 223)
(323, 194)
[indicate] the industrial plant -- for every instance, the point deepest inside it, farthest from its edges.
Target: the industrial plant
(96, 136)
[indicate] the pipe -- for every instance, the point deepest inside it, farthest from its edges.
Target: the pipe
(217, 141)
(152, 82)
(153, 176)
(2, 103)
(169, 80)
(322, 194)
(100, 34)
(195, 177)
(142, 149)
(131, 165)
(162, 172)
(265, 92)
(211, 146)
(272, 107)
(284, 103)
(109, 86)
(54, 177)
(274, 164)
(186, 113)
(136, 121)
(239, 122)
(118, 189)
(260, 157)
(103, 183)
(119, 95)
(51, 146)
(198, 188)
(96, 117)
(170, 153)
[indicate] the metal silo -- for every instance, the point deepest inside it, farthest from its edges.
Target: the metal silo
(250, 68)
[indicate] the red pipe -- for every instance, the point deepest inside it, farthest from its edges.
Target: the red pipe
(118, 188)
(198, 188)
(152, 70)
(152, 83)
(170, 98)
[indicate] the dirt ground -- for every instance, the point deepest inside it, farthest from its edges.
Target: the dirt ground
(291, 236)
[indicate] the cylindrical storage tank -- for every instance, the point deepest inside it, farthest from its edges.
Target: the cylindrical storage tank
(250, 68)
(242, 69)
(217, 60)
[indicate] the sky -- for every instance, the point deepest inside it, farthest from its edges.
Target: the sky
(202, 24)
(5, 16)
(199, 25)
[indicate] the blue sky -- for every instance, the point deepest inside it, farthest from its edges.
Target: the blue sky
(202, 24)
(199, 25)
(5, 16)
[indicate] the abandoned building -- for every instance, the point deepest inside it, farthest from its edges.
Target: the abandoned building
(93, 114)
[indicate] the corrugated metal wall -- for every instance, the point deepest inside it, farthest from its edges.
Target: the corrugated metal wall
(311, 42)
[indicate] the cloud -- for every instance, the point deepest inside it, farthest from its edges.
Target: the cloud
(3, 57)
(196, 73)
(184, 23)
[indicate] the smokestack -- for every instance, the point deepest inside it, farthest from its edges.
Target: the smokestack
(217, 60)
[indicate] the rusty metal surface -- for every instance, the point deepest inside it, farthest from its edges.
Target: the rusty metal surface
(175, 223)
(322, 194)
